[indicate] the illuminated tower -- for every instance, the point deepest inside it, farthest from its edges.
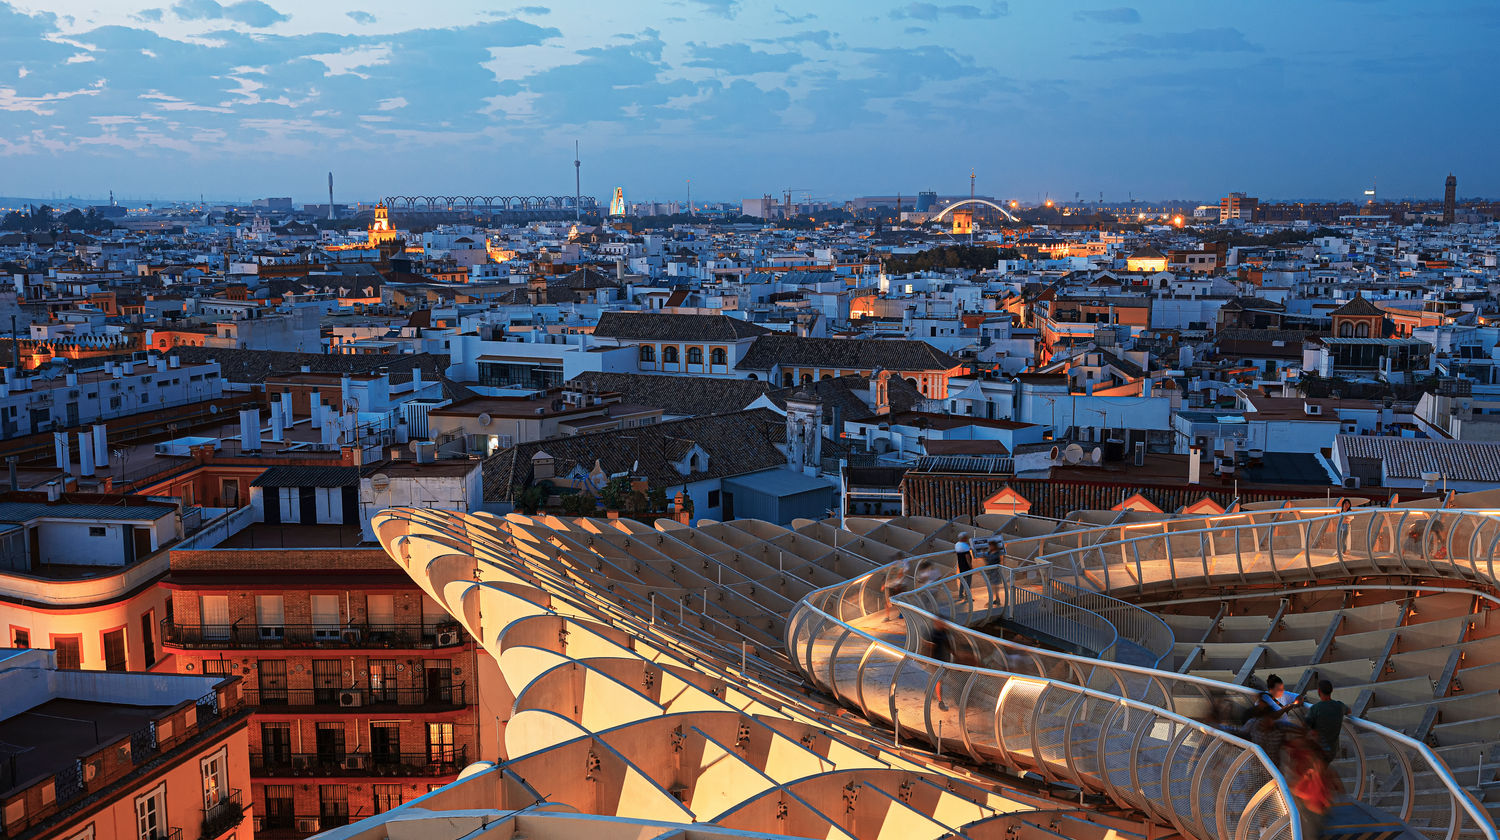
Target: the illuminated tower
(330, 196)
(1450, 198)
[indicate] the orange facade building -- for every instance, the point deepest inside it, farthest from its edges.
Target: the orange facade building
(362, 688)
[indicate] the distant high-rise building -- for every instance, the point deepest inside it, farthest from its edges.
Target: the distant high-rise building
(926, 201)
(1239, 206)
(1450, 198)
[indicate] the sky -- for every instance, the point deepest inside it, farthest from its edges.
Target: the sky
(237, 99)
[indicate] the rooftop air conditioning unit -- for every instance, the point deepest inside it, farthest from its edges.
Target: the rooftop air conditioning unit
(351, 699)
(354, 762)
(307, 825)
(1351, 483)
(448, 638)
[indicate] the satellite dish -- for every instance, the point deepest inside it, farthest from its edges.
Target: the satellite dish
(1073, 454)
(1096, 456)
(380, 481)
(1054, 454)
(213, 409)
(484, 418)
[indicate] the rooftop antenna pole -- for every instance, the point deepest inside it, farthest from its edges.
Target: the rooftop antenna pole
(577, 185)
(330, 196)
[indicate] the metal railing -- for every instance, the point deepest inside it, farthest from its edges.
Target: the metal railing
(1206, 782)
(440, 698)
(270, 637)
(444, 762)
(1380, 767)
(223, 815)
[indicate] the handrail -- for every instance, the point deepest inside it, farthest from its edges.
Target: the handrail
(1100, 719)
(1085, 671)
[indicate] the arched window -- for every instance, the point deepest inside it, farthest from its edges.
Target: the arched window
(753, 378)
(806, 379)
(1362, 330)
(648, 353)
(695, 355)
(717, 356)
(1345, 330)
(826, 376)
(669, 355)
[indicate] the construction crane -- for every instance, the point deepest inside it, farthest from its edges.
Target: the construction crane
(786, 206)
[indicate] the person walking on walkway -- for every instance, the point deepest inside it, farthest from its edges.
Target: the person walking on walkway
(1326, 720)
(963, 552)
(941, 647)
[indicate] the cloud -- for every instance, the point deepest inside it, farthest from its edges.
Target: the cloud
(1119, 14)
(722, 8)
(1196, 42)
(10, 100)
(792, 20)
(252, 13)
(148, 15)
(392, 104)
(360, 17)
(932, 11)
(740, 60)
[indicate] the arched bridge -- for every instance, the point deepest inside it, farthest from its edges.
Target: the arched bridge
(957, 204)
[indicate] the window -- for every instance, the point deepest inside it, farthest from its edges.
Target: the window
(151, 814)
(437, 675)
(327, 680)
(695, 355)
(382, 680)
(218, 667)
(440, 743)
(270, 616)
(276, 744)
(20, 637)
(113, 642)
(278, 809)
(215, 779)
(333, 806)
(717, 356)
(289, 500)
(386, 797)
(97, 531)
(214, 616)
(330, 744)
(648, 353)
(272, 681)
(669, 355)
(325, 616)
(69, 652)
(713, 498)
(385, 744)
(86, 834)
(380, 613)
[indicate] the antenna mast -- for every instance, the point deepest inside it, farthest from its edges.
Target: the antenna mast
(577, 186)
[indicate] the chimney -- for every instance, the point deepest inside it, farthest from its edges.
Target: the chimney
(276, 421)
(330, 428)
(1195, 465)
(85, 454)
(416, 379)
(54, 491)
(101, 446)
(71, 379)
(174, 361)
(315, 405)
(60, 451)
(15, 480)
(286, 409)
(250, 430)
(352, 456)
(346, 391)
(426, 450)
(161, 365)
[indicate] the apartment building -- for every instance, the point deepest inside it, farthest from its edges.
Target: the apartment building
(110, 756)
(32, 403)
(361, 687)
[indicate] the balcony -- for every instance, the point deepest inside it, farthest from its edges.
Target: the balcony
(283, 636)
(445, 698)
(221, 818)
(328, 764)
(292, 827)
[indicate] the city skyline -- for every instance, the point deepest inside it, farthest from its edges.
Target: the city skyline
(252, 98)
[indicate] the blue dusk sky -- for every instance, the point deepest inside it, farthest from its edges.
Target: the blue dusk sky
(243, 98)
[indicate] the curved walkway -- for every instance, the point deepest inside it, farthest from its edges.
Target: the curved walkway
(1127, 731)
